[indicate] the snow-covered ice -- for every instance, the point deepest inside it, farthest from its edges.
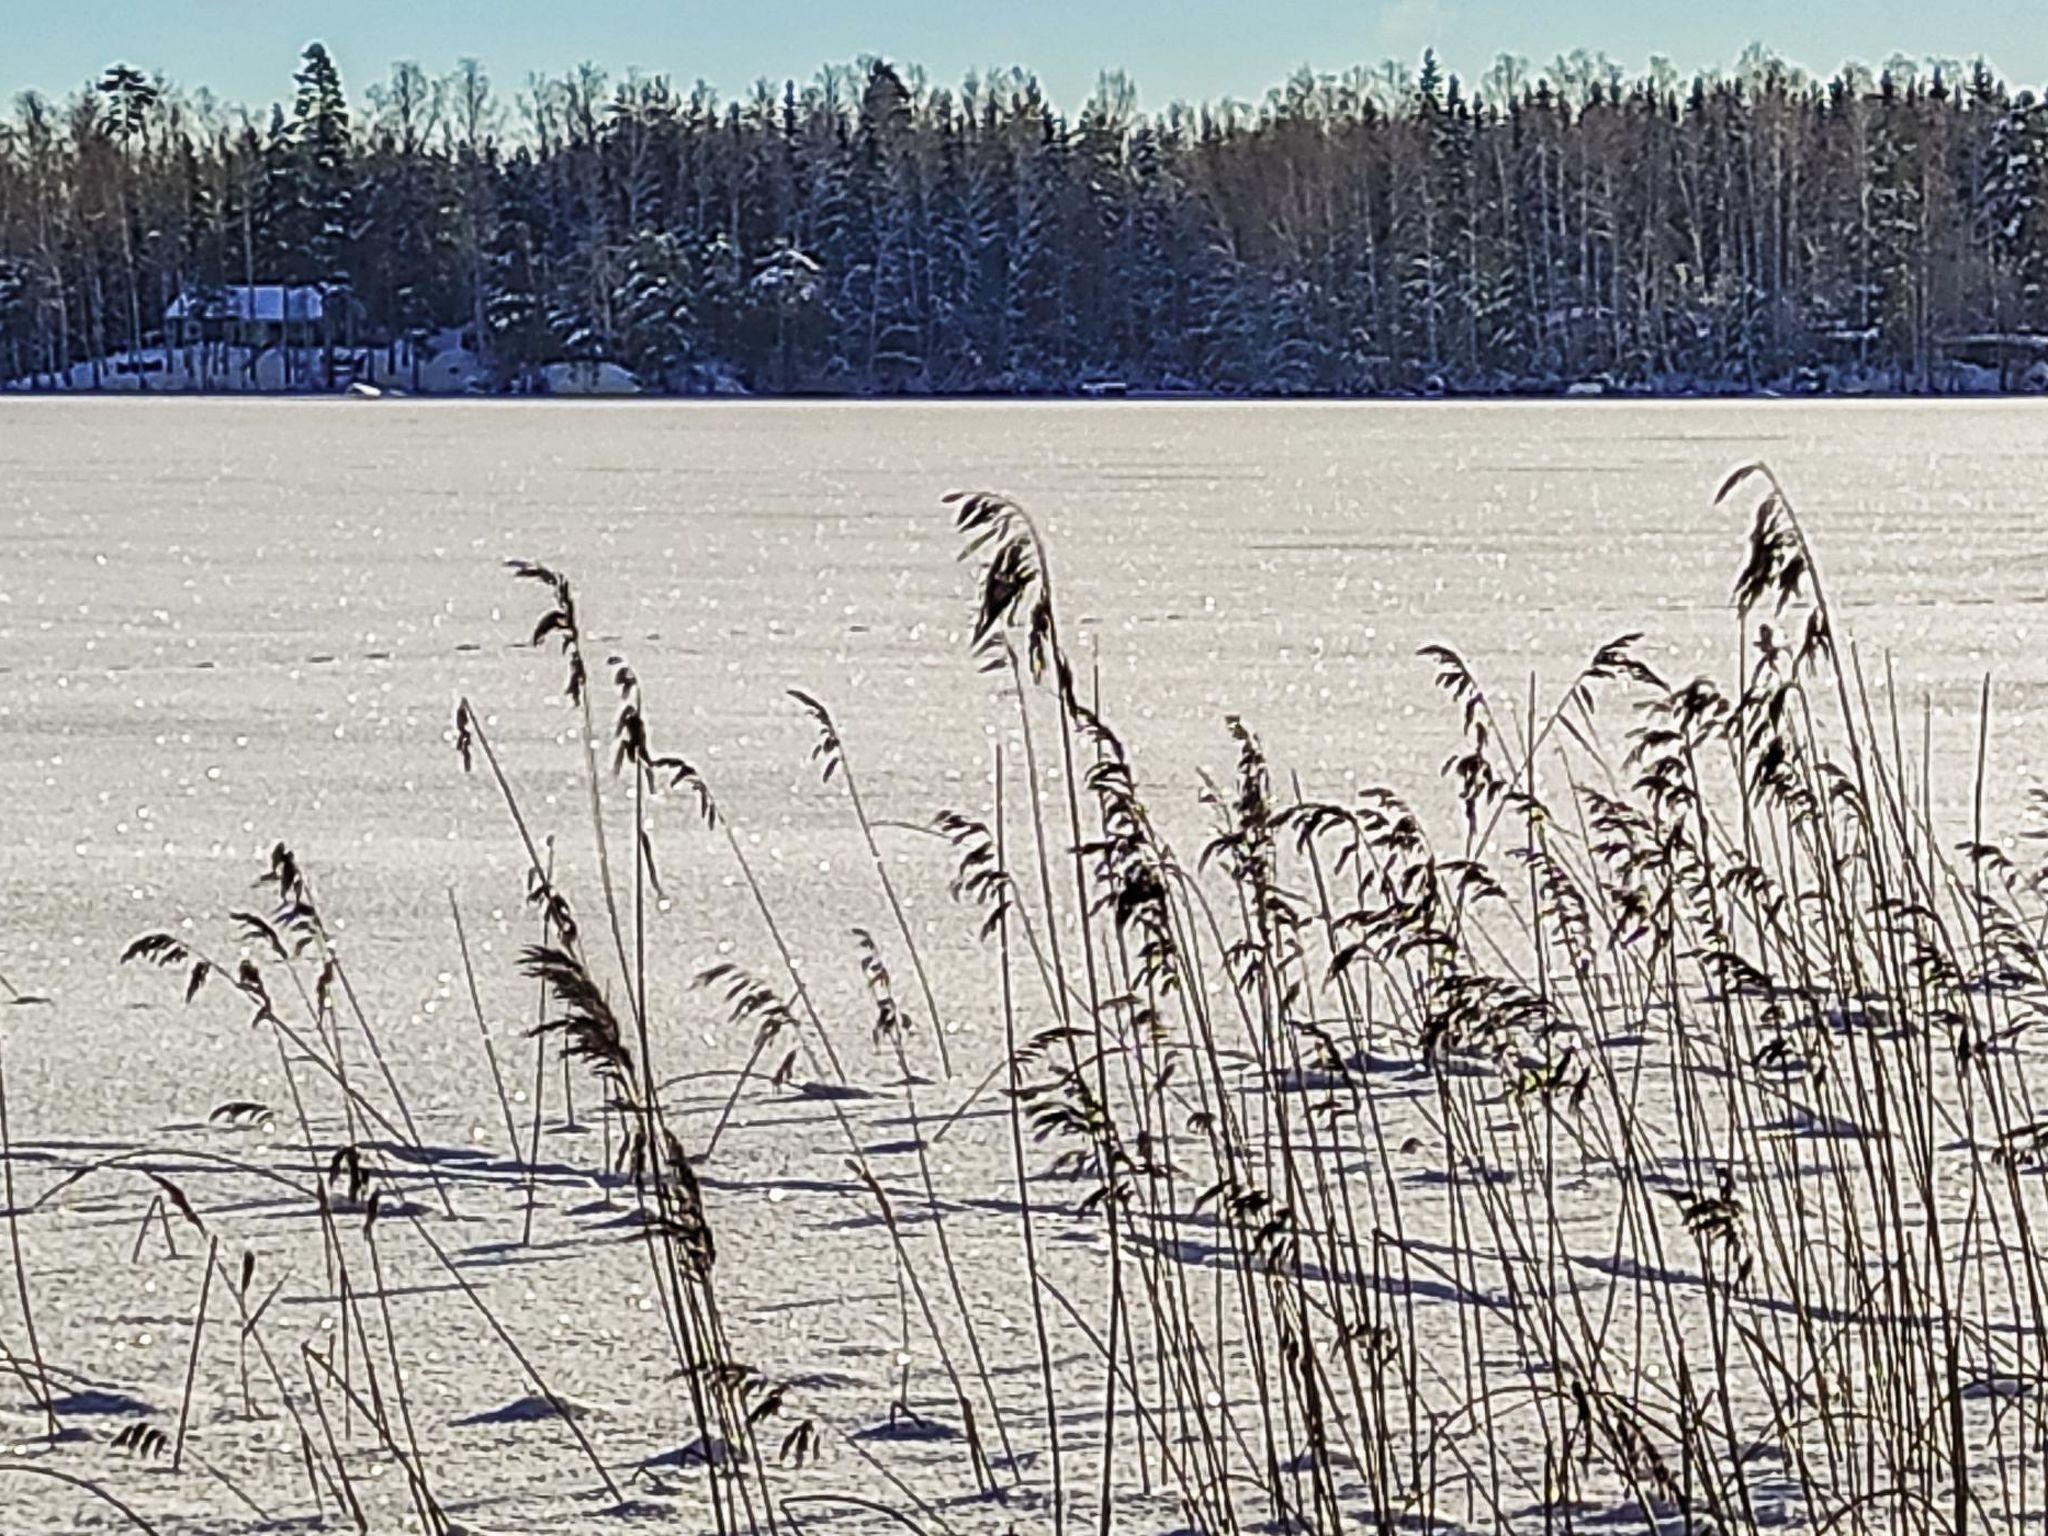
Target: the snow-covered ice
(226, 624)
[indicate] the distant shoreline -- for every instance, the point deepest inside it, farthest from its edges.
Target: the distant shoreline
(1134, 397)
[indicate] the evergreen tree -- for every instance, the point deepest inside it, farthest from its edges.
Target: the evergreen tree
(318, 165)
(658, 329)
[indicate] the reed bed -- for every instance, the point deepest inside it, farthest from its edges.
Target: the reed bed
(1650, 1144)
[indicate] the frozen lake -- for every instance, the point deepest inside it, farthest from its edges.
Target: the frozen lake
(214, 612)
(226, 624)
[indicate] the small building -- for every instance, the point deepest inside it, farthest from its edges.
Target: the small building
(241, 315)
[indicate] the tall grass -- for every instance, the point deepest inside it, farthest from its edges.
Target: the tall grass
(1651, 1145)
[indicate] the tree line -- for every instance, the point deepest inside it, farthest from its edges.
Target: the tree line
(1382, 230)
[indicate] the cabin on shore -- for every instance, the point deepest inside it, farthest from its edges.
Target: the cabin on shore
(255, 316)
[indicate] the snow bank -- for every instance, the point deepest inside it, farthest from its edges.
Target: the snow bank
(589, 379)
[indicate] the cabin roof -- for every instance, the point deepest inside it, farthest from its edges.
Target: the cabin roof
(266, 303)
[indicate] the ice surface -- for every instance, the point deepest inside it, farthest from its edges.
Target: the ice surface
(226, 624)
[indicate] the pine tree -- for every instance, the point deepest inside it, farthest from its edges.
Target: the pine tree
(131, 101)
(658, 330)
(319, 163)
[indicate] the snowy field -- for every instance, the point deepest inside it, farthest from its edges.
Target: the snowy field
(229, 625)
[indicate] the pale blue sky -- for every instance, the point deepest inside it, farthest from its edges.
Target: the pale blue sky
(244, 49)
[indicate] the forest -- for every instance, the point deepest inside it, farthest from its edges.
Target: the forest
(1382, 231)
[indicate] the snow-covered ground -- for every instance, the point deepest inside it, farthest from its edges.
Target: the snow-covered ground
(442, 366)
(226, 624)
